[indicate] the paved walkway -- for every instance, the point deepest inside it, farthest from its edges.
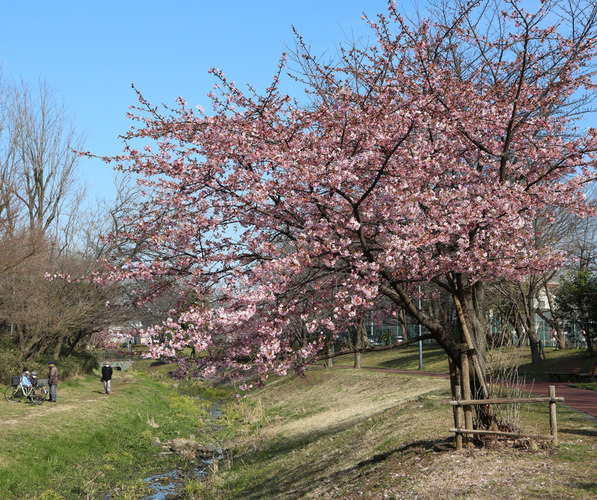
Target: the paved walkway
(582, 400)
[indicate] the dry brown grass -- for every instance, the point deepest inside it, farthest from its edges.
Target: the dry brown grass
(351, 434)
(346, 403)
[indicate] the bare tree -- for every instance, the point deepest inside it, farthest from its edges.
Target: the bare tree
(38, 165)
(40, 204)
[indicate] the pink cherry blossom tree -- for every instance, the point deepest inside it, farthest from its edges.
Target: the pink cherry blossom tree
(422, 158)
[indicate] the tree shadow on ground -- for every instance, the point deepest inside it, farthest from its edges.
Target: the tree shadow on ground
(436, 445)
(411, 361)
(304, 477)
(577, 432)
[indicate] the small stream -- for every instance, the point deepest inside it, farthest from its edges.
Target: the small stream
(167, 484)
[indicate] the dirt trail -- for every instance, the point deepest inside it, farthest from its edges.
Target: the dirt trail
(70, 402)
(46, 409)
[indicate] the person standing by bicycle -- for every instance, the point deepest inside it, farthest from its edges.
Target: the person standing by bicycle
(52, 381)
(106, 376)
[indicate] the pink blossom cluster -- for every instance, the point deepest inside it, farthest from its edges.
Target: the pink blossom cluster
(283, 223)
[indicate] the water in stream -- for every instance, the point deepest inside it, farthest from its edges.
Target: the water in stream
(167, 484)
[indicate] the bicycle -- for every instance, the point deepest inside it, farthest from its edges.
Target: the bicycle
(15, 393)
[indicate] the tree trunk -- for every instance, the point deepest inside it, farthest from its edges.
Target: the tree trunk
(329, 360)
(440, 333)
(554, 322)
(474, 313)
(520, 331)
(57, 349)
(81, 334)
(357, 361)
(359, 343)
(587, 333)
(403, 324)
(531, 329)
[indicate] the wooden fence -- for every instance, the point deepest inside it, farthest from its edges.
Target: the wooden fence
(462, 404)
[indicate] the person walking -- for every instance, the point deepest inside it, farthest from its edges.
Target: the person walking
(106, 376)
(52, 381)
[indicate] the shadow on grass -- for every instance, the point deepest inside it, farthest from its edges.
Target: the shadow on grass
(300, 480)
(437, 445)
(538, 371)
(577, 432)
(278, 475)
(286, 480)
(592, 487)
(410, 361)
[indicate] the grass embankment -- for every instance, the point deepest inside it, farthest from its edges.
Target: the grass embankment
(344, 433)
(435, 360)
(338, 433)
(89, 444)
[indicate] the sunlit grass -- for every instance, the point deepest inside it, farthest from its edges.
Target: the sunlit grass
(318, 438)
(436, 360)
(89, 444)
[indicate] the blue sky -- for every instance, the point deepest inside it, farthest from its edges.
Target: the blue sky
(90, 52)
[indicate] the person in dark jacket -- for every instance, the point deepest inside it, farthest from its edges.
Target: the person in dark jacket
(52, 381)
(106, 376)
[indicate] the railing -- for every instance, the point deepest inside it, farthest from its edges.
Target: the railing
(117, 355)
(462, 406)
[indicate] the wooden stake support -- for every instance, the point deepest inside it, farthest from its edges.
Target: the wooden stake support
(471, 347)
(466, 394)
(457, 395)
(468, 430)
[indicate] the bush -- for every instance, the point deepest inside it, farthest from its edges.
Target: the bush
(78, 363)
(8, 363)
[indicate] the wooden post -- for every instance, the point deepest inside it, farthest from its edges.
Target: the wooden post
(454, 382)
(553, 419)
(466, 394)
(457, 395)
(471, 346)
(458, 419)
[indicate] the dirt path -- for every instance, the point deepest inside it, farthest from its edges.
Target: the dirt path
(46, 409)
(82, 401)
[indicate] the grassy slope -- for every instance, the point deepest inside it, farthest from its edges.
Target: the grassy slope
(89, 443)
(434, 360)
(338, 433)
(344, 433)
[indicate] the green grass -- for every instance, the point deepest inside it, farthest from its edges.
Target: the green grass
(403, 358)
(538, 371)
(338, 433)
(320, 438)
(592, 386)
(435, 359)
(89, 444)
